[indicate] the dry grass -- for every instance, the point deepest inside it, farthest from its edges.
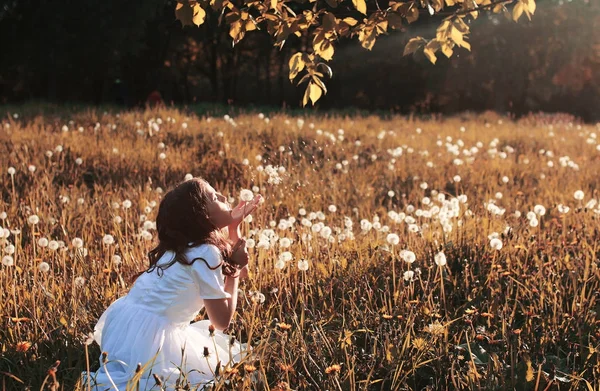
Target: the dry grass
(522, 317)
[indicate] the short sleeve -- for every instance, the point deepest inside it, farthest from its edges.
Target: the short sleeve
(210, 281)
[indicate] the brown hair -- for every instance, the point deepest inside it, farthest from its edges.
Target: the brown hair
(183, 222)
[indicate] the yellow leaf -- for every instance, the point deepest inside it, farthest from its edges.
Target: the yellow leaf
(346, 339)
(438, 5)
(306, 96)
(184, 12)
(531, 6)
(518, 11)
(315, 92)
(326, 51)
(350, 21)
(412, 13)
(456, 36)
(388, 353)
(367, 37)
(296, 65)
(199, 15)
(529, 376)
(361, 6)
(413, 45)
(273, 4)
(235, 30)
(63, 321)
(395, 20)
(430, 50)
(447, 50)
(382, 27)
(250, 26)
(343, 263)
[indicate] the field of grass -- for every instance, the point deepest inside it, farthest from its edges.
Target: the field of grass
(451, 253)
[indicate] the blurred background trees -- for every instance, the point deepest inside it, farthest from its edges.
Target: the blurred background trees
(114, 52)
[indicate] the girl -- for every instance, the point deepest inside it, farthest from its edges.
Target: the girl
(194, 265)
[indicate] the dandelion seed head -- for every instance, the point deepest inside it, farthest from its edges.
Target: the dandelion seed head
(496, 243)
(539, 210)
(10, 249)
(279, 264)
(53, 245)
(77, 243)
(303, 265)
(440, 259)
(79, 281)
(8, 260)
(393, 239)
(44, 267)
(408, 256)
(246, 195)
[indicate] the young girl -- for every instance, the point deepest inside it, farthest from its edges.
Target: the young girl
(194, 265)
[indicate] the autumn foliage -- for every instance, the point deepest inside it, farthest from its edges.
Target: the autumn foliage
(325, 23)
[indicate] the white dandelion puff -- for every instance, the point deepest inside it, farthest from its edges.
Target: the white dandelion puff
(393, 239)
(246, 195)
(77, 242)
(303, 265)
(496, 243)
(440, 259)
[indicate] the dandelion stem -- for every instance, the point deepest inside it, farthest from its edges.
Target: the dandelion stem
(112, 383)
(87, 368)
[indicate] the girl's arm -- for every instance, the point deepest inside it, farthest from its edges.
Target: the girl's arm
(221, 311)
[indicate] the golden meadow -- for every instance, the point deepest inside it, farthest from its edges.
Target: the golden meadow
(398, 253)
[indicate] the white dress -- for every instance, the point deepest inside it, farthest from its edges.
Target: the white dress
(151, 326)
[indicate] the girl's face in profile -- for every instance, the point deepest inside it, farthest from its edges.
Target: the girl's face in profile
(219, 210)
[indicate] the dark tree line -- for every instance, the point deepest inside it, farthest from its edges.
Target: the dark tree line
(95, 51)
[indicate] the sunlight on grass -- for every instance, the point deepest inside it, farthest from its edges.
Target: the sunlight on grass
(457, 253)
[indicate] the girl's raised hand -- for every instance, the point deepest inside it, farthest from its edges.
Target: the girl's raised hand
(243, 209)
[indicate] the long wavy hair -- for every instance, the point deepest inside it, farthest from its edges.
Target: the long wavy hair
(183, 222)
